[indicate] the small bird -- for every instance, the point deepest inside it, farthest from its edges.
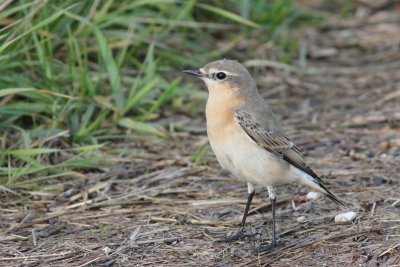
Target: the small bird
(247, 139)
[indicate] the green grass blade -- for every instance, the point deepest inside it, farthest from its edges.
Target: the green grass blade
(112, 70)
(29, 152)
(141, 127)
(229, 15)
(164, 97)
(34, 28)
(10, 91)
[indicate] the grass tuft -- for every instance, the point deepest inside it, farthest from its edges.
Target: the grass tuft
(78, 74)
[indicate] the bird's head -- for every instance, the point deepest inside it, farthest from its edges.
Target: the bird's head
(227, 75)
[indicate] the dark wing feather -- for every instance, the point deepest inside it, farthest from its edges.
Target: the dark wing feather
(273, 140)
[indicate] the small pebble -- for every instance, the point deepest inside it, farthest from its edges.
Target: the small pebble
(106, 250)
(378, 180)
(313, 195)
(384, 145)
(346, 217)
(300, 219)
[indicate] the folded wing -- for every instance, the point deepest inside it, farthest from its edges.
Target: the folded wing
(273, 140)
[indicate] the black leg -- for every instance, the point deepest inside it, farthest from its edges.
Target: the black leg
(273, 243)
(240, 234)
(272, 197)
(246, 211)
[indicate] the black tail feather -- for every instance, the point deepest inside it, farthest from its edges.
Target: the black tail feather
(330, 195)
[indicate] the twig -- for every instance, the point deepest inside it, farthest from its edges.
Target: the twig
(389, 249)
(33, 237)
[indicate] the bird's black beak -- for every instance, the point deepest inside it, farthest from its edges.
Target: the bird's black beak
(197, 73)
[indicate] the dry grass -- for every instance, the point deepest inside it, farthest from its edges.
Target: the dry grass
(161, 209)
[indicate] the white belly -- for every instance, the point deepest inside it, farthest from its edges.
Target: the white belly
(239, 154)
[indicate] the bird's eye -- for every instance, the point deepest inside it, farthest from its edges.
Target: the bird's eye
(220, 75)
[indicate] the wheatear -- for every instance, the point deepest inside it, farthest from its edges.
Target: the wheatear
(246, 137)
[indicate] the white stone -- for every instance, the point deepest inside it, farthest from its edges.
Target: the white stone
(300, 219)
(346, 217)
(313, 195)
(106, 250)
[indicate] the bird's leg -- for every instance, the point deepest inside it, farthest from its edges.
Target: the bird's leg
(251, 191)
(240, 234)
(273, 244)
(272, 197)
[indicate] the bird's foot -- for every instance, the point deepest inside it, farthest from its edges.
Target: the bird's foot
(239, 235)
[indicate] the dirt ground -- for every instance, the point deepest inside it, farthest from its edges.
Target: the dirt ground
(160, 209)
